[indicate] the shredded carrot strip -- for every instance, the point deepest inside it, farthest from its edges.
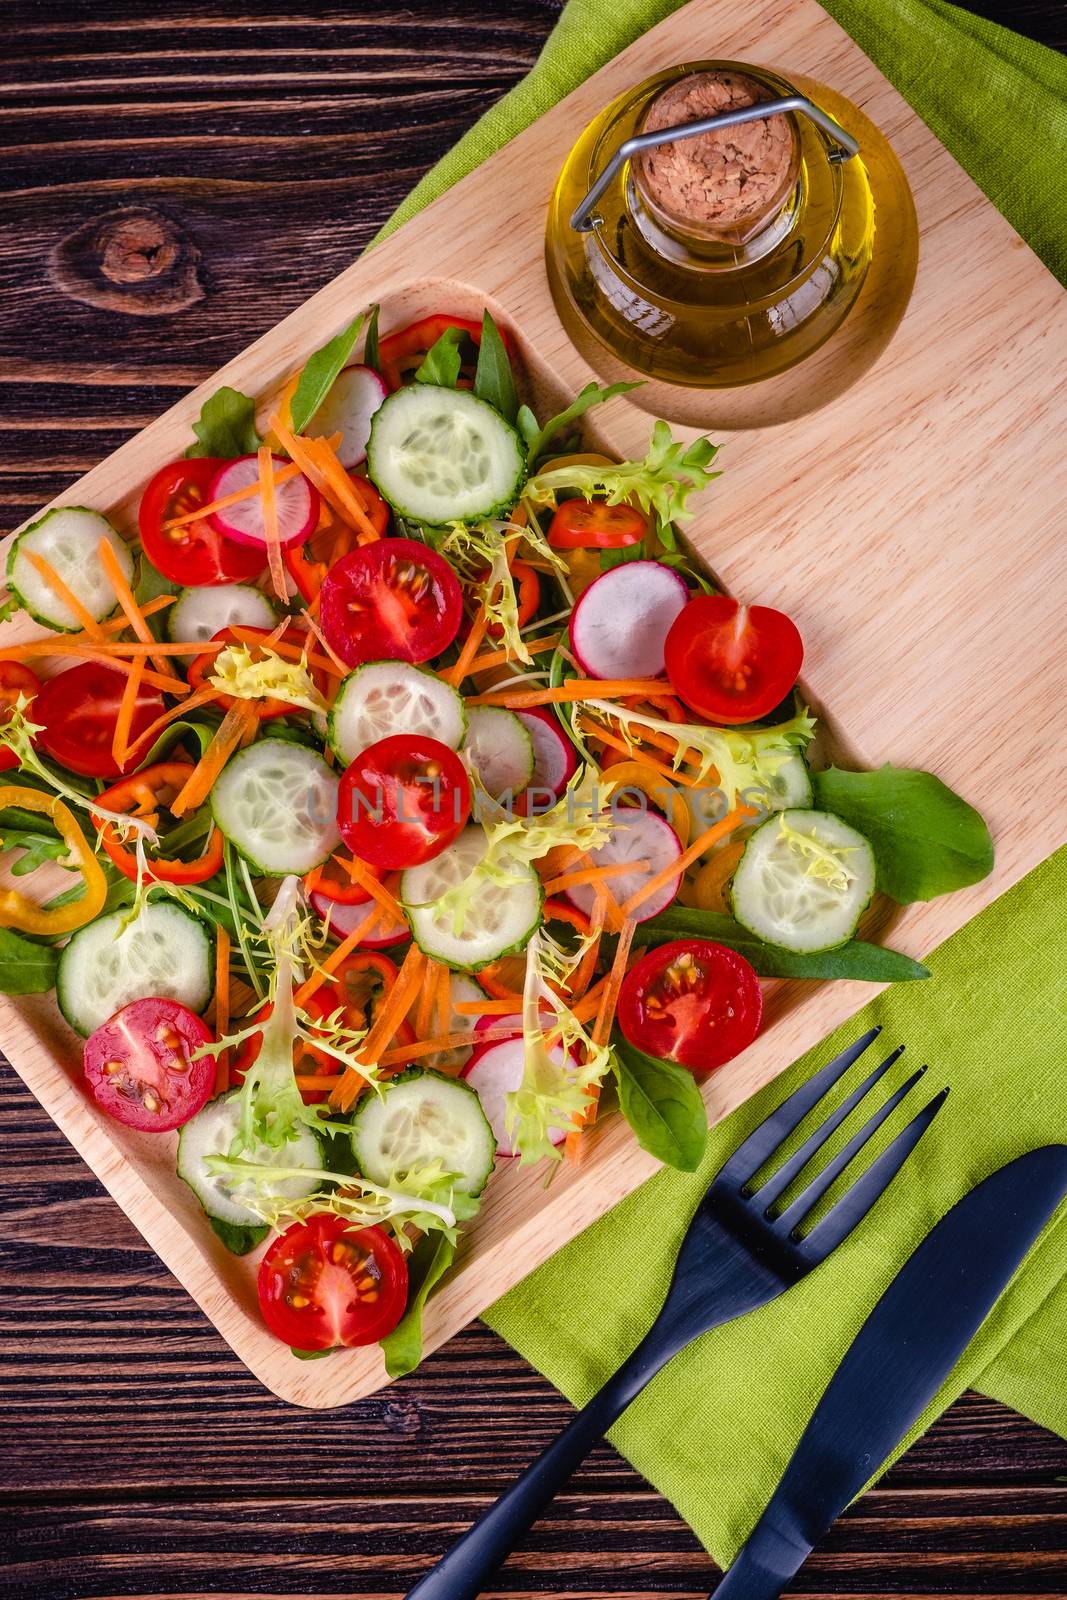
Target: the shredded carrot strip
(154, 729)
(333, 474)
(120, 739)
(82, 644)
(610, 995)
(388, 1020)
(149, 609)
(582, 976)
(88, 648)
(427, 996)
(594, 730)
(230, 733)
(315, 628)
(702, 842)
(585, 1009)
(365, 878)
(591, 875)
(444, 1041)
(269, 502)
(455, 675)
(574, 689)
(222, 1006)
(486, 1008)
(282, 475)
(281, 647)
(125, 597)
(44, 569)
(501, 658)
(329, 966)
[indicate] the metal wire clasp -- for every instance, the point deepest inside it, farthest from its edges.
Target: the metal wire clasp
(843, 145)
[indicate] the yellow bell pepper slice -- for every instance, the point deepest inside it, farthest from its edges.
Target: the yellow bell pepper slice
(18, 910)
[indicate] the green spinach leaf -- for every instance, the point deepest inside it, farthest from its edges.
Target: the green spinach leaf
(869, 963)
(317, 378)
(926, 839)
(226, 426)
(663, 1105)
(427, 1265)
(25, 967)
(494, 381)
(442, 362)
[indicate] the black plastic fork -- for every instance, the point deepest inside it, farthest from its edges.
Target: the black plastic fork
(737, 1254)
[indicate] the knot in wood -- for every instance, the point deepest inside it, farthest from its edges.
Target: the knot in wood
(134, 259)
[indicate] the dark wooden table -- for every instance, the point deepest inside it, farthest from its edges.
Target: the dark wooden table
(181, 177)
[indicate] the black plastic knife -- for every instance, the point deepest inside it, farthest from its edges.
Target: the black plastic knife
(897, 1362)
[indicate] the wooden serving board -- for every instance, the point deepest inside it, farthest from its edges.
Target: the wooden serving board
(911, 529)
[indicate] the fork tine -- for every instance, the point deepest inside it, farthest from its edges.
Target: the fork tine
(813, 1192)
(752, 1152)
(779, 1181)
(854, 1206)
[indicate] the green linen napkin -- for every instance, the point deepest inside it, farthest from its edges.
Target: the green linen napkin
(714, 1432)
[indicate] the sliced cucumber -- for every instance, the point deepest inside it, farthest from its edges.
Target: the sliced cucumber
(68, 539)
(386, 697)
(202, 613)
(166, 952)
(443, 455)
(497, 921)
(461, 988)
(790, 787)
(422, 1117)
(501, 750)
(211, 1133)
(803, 881)
(277, 802)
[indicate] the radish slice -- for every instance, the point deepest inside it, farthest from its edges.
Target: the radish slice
(346, 919)
(297, 503)
(512, 1021)
(495, 1071)
(638, 836)
(355, 396)
(620, 622)
(555, 760)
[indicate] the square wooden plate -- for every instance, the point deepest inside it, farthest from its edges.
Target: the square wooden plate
(912, 529)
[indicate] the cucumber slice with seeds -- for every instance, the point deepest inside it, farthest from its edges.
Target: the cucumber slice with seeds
(68, 539)
(442, 455)
(420, 1118)
(166, 952)
(277, 803)
(501, 750)
(211, 1133)
(387, 697)
(498, 920)
(202, 613)
(804, 881)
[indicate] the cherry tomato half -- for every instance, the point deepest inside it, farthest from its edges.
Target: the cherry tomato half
(139, 1066)
(195, 554)
(592, 525)
(78, 711)
(693, 1002)
(396, 600)
(402, 801)
(729, 662)
(15, 680)
(322, 1284)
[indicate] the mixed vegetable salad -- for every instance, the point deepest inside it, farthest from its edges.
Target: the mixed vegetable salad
(398, 793)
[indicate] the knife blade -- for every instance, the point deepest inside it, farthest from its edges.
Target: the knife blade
(897, 1362)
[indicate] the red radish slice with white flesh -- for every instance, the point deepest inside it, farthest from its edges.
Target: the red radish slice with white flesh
(620, 622)
(513, 1022)
(354, 397)
(346, 919)
(555, 759)
(638, 836)
(296, 501)
(494, 1071)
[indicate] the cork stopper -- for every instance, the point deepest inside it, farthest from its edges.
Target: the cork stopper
(722, 185)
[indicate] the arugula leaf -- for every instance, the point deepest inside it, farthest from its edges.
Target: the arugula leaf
(869, 963)
(317, 378)
(429, 1261)
(36, 848)
(926, 839)
(592, 395)
(226, 426)
(239, 1238)
(663, 1105)
(494, 381)
(528, 427)
(25, 967)
(202, 732)
(371, 352)
(442, 361)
